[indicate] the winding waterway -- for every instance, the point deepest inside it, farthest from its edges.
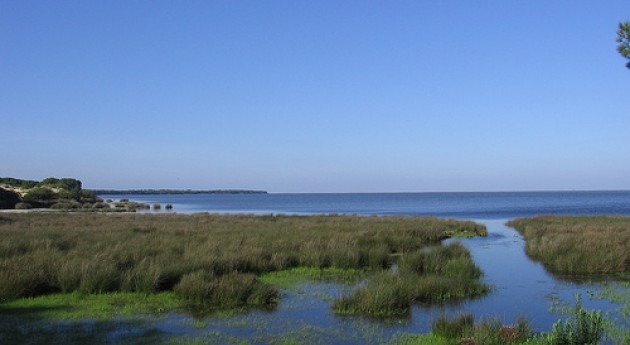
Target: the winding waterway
(521, 287)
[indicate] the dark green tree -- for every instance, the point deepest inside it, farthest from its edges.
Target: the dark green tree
(623, 37)
(16, 182)
(51, 181)
(69, 188)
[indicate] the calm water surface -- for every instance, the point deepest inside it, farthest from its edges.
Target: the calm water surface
(521, 287)
(454, 205)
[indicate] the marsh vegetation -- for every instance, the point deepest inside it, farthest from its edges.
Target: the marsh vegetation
(586, 246)
(433, 275)
(215, 261)
(106, 267)
(583, 327)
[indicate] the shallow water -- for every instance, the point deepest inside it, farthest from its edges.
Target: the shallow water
(521, 288)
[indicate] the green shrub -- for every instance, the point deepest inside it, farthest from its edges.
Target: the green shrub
(585, 327)
(40, 197)
(69, 188)
(89, 196)
(14, 182)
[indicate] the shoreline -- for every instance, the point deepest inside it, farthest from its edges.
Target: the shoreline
(174, 191)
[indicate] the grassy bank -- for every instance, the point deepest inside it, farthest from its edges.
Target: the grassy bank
(213, 260)
(582, 246)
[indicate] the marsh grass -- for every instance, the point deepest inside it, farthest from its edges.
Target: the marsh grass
(287, 279)
(435, 274)
(228, 291)
(584, 246)
(212, 260)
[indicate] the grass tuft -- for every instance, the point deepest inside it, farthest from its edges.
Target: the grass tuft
(433, 275)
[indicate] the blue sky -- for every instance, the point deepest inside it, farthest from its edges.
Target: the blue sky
(317, 96)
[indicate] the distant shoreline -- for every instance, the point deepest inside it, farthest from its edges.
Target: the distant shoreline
(173, 191)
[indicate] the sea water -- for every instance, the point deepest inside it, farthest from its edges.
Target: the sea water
(495, 205)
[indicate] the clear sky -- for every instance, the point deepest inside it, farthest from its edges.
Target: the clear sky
(316, 96)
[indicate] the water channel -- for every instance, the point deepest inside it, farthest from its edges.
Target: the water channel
(521, 288)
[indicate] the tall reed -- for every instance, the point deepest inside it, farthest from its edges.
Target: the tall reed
(592, 246)
(202, 256)
(434, 274)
